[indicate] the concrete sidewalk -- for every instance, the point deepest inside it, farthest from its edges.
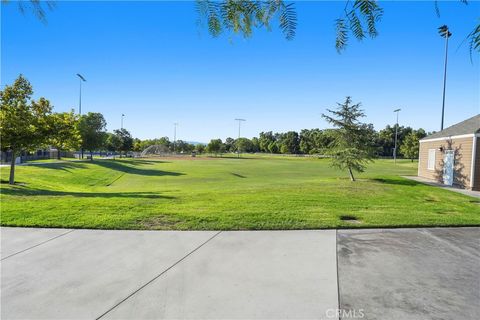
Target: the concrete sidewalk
(381, 274)
(90, 274)
(429, 182)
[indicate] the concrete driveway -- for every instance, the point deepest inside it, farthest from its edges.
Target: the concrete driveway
(382, 274)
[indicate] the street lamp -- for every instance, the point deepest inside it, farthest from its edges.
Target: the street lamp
(82, 79)
(396, 137)
(239, 125)
(121, 125)
(175, 125)
(445, 33)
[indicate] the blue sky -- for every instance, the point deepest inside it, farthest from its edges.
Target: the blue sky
(150, 61)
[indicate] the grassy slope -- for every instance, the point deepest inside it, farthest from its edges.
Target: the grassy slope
(262, 193)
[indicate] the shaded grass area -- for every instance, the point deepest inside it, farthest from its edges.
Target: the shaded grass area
(226, 194)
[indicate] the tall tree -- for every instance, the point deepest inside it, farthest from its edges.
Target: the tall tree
(230, 145)
(264, 140)
(200, 148)
(126, 140)
(351, 148)
(23, 122)
(215, 146)
(243, 145)
(113, 143)
(289, 142)
(411, 144)
(92, 130)
(64, 132)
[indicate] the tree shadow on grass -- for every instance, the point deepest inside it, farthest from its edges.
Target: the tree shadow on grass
(64, 166)
(135, 161)
(401, 182)
(125, 166)
(23, 191)
(237, 175)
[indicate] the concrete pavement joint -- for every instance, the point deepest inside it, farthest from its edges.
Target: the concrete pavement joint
(158, 276)
(39, 244)
(338, 278)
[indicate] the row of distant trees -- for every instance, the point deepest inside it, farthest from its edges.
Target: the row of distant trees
(307, 141)
(317, 141)
(27, 124)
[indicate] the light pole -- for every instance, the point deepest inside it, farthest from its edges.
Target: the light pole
(121, 124)
(445, 33)
(174, 136)
(396, 137)
(239, 125)
(82, 79)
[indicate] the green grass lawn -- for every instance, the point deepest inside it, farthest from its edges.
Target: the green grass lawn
(228, 193)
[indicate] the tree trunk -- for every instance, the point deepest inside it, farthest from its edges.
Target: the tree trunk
(12, 169)
(91, 155)
(351, 174)
(58, 154)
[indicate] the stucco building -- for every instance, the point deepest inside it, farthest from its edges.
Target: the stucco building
(452, 156)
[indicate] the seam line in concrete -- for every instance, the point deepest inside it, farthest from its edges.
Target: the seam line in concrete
(38, 244)
(158, 275)
(338, 274)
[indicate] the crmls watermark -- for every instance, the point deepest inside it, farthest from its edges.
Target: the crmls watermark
(345, 314)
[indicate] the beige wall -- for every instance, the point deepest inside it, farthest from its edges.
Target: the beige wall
(463, 159)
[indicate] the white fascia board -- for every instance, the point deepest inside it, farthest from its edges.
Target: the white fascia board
(449, 137)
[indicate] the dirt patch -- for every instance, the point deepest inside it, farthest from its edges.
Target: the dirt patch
(159, 222)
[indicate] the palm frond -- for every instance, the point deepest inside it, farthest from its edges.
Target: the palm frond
(342, 35)
(474, 43)
(288, 20)
(356, 26)
(437, 9)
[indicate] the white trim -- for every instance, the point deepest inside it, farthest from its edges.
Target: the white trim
(474, 152)
(450, 137)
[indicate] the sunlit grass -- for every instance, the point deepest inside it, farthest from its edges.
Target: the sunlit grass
(226, 193)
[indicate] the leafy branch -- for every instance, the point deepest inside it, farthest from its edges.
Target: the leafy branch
(243, 16)
(360, 18)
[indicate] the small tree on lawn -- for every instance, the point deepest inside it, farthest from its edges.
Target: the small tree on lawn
(92, 130)
(23, 122)
(411, 144)
(351, 148)
(64, 131)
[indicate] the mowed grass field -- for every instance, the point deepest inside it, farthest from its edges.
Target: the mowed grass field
(226, 194)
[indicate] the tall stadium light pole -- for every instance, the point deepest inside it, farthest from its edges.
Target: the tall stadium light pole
(445, 33)
(396, 137)
(121, 124)
(239, 125)
(174, 136)
(82, 79)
